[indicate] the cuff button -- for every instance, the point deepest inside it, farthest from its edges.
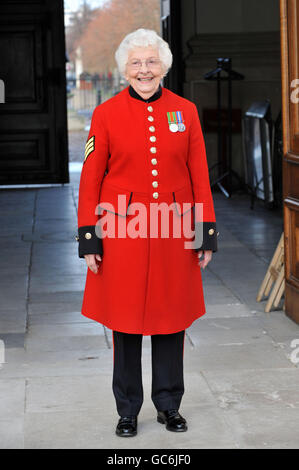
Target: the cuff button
(211, 231)
(88, 236)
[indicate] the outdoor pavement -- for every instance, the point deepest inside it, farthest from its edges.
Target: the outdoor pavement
(241, 386)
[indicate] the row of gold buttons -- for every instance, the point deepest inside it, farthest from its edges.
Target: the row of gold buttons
(153, 150)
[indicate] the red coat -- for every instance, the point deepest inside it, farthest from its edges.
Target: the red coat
(146, 285)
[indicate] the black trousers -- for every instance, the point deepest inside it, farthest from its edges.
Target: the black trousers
(167, 371)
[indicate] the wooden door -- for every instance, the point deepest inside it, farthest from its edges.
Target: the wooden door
(289, 15)
(33, 123)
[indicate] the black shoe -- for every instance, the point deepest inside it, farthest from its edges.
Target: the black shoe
(173, 420)
(127, 426)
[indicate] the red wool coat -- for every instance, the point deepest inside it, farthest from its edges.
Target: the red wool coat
(145, 284)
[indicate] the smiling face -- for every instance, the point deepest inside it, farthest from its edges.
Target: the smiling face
(144, 79)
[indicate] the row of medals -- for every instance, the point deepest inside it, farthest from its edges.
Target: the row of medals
(173, 127)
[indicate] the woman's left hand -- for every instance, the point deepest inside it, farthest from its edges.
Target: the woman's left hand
(206, 258)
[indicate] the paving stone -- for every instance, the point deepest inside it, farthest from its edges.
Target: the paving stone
(56, 283)
(12, 396)
(229, 310)
(228, 331)
(68, 393)
(279, 326)
(25, 364)
(13, 321)
(60, 297)
(83, 338)
(13, 340)
(219, 295)
(243, 356)
(51, 307)
(54, 318)
(264, 385)
(12, 433)
(261, 427)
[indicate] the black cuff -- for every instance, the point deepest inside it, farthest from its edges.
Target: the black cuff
(89, 242)
(209, 236)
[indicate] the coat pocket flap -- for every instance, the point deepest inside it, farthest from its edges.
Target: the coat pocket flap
(183, 199)
(115, 200)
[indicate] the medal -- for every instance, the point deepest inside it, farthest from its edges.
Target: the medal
(176, 121)
(173, 127)
(172, 121)
(181, 125)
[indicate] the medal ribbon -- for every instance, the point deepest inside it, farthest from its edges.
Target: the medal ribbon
(172, 118)
(180, 118)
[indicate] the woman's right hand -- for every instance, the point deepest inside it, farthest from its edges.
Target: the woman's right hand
(92, 262)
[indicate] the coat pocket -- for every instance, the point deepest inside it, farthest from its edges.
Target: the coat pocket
(115, 200)
(183, 199)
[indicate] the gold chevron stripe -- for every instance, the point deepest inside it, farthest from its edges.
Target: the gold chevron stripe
(91, 140)
(87, 154)
(89, 147)
(88, 150)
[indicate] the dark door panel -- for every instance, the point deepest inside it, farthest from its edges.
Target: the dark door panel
(33, 122)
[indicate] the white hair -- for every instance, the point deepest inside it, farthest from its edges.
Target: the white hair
(143, 38)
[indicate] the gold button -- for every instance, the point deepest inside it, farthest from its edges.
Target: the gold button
(88, 235)
(155, 184)
(150, 118)
(154, 161)
(153, 150)
(150, 109)
(153, 138)
(155, 195)
(154, 172)
(152, 129)
(211, 231)
(77, 238)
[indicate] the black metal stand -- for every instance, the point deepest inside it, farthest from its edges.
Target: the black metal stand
(224, 65)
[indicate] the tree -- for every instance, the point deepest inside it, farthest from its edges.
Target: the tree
(109, 25)
(79, 23)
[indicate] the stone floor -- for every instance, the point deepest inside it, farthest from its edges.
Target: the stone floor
(241, 386)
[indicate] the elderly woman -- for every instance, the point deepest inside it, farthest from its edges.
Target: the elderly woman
(144, 158)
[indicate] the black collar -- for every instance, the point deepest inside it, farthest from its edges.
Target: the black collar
(154, 97)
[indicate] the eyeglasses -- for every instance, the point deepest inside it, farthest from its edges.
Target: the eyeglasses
(150, 63)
